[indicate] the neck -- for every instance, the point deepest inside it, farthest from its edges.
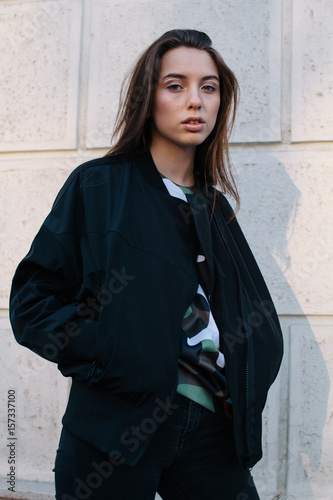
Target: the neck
(175, 163)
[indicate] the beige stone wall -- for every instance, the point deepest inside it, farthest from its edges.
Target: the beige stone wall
(62, 63)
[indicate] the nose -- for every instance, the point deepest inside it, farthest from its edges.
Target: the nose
(194, 99)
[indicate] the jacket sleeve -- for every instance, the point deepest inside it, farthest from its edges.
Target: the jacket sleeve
(44, 314)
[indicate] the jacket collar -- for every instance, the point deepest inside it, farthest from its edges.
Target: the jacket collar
(198, 202)
(148, 170)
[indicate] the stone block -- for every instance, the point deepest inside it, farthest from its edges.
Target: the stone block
(310, 434)
(27, 190)
(247, 34)
(40, 400)
(312, 71)
(287, 215)
(40, 53)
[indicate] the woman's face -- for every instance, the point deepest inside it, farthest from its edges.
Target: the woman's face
(186, 99)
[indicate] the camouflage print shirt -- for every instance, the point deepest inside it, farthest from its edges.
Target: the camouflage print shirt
(201, 363)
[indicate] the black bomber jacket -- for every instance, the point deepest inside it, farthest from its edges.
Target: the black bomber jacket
(104, 288)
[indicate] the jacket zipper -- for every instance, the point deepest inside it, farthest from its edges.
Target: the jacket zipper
(246, 457)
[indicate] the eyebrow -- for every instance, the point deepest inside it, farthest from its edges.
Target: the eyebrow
(184, 77)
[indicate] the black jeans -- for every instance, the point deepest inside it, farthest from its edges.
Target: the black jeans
(191, 456)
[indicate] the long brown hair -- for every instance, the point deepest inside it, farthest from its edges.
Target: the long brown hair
(133, 122)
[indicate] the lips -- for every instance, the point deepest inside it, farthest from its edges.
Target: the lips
(193, 124)
(194, 119)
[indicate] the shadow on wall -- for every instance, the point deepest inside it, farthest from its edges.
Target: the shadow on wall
(268, 217)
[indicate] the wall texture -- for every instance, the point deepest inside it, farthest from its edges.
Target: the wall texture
(62, 63)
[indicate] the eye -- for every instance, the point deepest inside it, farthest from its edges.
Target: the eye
(209, 88)
(175, 86)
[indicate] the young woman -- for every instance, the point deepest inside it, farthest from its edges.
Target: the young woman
(141, 287)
